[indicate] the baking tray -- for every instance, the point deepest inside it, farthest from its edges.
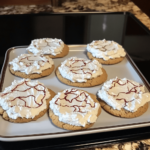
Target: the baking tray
(43, 127)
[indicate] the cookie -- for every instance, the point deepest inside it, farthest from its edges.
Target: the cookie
(124, 113)
(54, 48)
(123, 98)
(106, 52)
(31, 66)
(1, 110)
(70, 123)
(32, 76)
(81, 73)
(26, 113)
(105, 62)
(90, 82)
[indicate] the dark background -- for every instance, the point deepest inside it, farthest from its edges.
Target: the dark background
(19, 30)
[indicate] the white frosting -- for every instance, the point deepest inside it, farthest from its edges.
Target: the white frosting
(106, 49)
(124, 93)
(46, 46)
(74, 107)
(30, 63)
(79, 69)
(24, 98)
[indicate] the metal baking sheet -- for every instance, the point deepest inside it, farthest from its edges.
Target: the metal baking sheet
(43, 128)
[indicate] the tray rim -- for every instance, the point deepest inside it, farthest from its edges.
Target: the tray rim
(71, 133)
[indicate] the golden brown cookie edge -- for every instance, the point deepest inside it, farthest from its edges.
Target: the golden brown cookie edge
(64, 52)
(105, 62)
(55, 119)
(25, 120)
(123, 113)
(90, 82)
(44, 73)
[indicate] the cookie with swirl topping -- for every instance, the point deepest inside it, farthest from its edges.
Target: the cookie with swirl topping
(106, 52)
(74, 109)
(81, 72)
(31, 66)
(54, 48)
(124, 98)
(25, 101)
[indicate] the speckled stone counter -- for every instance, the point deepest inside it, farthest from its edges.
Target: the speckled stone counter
(80, 6)
(134, 145)
(104, 6)
(21, 9)
(89, 6)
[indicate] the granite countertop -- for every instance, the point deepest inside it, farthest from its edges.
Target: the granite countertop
(105, 6)
(134, 145)
(62, 6)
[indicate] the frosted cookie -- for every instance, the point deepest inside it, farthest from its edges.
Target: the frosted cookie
(25, 101)
(31, 66)
(74, 109)
(124, 98)
(53, 48)
(80, 72)
(106, 52)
